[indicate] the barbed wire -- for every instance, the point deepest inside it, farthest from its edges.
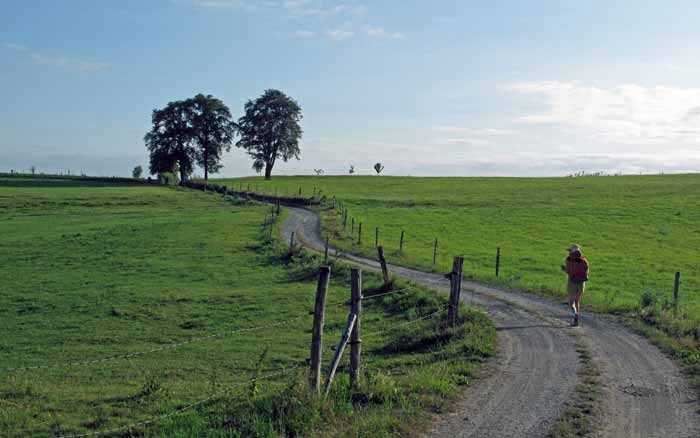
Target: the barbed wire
(151, 351)
(413, 321)
(371, 297)
(157, 418)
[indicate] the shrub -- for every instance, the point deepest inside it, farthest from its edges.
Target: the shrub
(168, 179)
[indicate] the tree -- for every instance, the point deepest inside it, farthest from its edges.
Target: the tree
(352, 169)
(137, 172)
(319, 172)
(33, 169)
(378, 168)
(270, 129)
(258, 166)
(171, 141)
(212, 130)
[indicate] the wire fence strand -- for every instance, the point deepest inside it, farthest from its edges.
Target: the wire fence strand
(151, 351)
(407, 323)
(158, 418)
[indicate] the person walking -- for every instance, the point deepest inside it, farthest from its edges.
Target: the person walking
(577, 269)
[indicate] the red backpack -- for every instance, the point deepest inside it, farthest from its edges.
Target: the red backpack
(578, 269)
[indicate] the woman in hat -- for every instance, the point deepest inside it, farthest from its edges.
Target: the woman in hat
(576, 268)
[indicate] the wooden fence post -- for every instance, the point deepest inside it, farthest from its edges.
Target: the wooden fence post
(291, 242)
(498, 260)
(352, 229)
(352, 320)
(435, 247)
(325, 253)
(455, 290)
(401, 242)
(376, 237)
(355, 340)
(382, 262)
(359, 234)
(300, 191)
(317, 332)
(676, 287)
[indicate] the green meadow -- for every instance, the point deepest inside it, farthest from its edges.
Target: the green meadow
(637, 231)
(96, 270)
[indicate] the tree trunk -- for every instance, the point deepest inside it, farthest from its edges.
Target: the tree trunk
(268, 170)
(206, 164)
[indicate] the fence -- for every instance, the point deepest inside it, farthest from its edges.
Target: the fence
(351, 229)
(319, 373)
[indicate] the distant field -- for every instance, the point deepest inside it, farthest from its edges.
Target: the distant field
(636, 230)
(92, 270)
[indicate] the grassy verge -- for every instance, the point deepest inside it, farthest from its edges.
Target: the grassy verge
(582, 413)
(94, 271)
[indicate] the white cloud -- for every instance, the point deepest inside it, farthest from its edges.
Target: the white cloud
(340, 35)
(474, 131)
(380, 32)
(61, 62)
(304, 34)
(626, 114)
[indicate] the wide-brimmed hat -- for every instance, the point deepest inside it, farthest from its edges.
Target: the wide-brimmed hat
(574, 247)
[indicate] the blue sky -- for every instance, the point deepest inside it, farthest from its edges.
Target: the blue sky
(427, 88)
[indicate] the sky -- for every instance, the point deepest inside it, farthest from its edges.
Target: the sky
(428, 88)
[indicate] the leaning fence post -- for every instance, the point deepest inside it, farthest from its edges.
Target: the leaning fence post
(317, 332)
(435, 247)
(325, 253)
(382, 262)
(401, 242)
(676, 287)
(498, 260)
(344, 339)
(291, 242)
(376, 237)
(359, 234)
(355, 339)
(455, 290)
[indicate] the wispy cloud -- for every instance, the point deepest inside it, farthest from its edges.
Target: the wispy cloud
(350, 17)
(339, 35)
(304, 34)
(60, 62)
(627, 114)
(380, 32)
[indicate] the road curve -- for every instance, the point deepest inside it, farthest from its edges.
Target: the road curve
(526, 387)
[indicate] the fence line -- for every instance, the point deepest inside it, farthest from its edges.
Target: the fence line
(371, 297)
(157, 418)
(407, 323)
(154, 350)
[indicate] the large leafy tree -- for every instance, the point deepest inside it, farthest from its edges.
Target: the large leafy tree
(189, 132)
(212, 129)
(270, 129)
(170, 140)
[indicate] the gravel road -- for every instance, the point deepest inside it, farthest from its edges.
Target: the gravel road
(525, 387)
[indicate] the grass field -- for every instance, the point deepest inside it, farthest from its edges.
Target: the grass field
(636, 230)
(94, 270)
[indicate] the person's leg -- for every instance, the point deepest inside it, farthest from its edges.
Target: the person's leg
(577, 300)
(572, 289)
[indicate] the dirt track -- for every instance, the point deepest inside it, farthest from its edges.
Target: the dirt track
(525, 389)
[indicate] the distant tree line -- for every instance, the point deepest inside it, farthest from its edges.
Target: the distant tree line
(197, 132)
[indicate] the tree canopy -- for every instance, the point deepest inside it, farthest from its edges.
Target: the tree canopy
(170, 140)
(270, 129)
(189, 132)
(213, 130)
